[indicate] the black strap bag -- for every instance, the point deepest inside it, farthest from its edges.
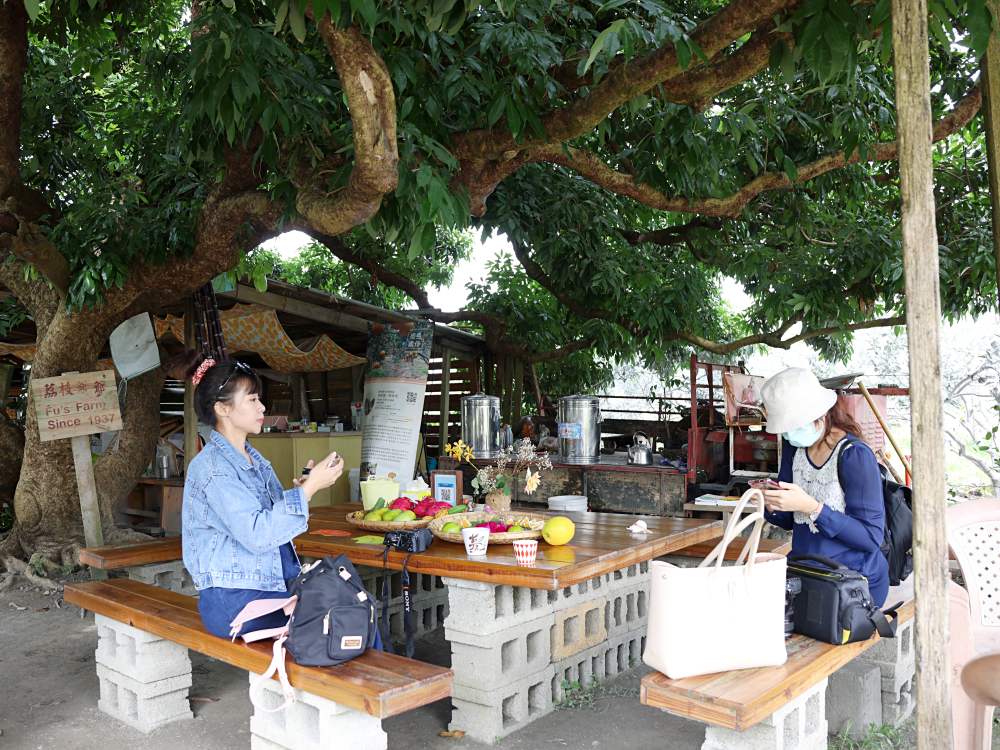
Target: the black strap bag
(835, 605)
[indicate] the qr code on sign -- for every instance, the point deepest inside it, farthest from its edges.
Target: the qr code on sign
(411, 397)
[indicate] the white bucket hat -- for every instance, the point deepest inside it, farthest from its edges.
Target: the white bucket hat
(794, 398)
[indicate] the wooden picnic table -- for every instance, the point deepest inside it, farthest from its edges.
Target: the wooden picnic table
(519, 635)
(601, 545)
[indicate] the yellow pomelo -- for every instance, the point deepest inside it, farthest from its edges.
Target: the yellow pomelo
(558, 530)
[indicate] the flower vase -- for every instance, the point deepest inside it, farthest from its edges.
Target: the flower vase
(498, 500)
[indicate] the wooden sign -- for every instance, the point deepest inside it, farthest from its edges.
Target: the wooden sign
(79, 404)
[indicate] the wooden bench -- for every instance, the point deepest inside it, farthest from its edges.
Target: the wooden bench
(145, 632)
(785, 706)
(167, 549)
(157, 563)
(701, 550)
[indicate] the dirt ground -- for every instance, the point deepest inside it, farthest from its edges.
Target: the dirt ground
(48, 699)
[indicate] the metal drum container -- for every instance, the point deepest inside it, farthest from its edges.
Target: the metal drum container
(481, 425)
(579, 424)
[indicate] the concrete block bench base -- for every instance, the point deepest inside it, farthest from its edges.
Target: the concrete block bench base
(798, 725)
(144, 679)
(311, 723)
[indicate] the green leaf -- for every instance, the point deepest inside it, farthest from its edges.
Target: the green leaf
(602, 39)
(367, 10)
(297, 20)
(260, 281)
(790, 169)
(683, 52)
(32, 6)
(281, 15)
(496, 110)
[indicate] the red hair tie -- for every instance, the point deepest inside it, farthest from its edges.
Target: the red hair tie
(204, 367)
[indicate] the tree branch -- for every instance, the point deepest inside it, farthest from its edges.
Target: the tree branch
(670, 235)
(624, 82)
(372, 105)
(13, 61)
(28, 242)
(589, 165)
(697, 86)
(372, 266)
(538, 274)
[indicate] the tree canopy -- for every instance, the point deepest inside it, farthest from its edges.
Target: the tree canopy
(634, 152)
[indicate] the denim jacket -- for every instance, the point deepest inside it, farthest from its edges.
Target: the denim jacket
(236, 516)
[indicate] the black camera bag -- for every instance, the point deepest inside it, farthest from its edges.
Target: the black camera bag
(835, 605)
(408, 542)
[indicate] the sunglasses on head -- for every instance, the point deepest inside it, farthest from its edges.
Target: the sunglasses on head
(237, 367)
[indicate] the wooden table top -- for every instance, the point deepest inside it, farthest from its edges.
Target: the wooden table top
(601, 545)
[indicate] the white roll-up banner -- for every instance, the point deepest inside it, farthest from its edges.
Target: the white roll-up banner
(395, 383)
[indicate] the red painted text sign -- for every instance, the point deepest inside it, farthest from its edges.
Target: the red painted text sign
(80, 404)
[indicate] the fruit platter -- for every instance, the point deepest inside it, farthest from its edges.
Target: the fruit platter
(505, 527)
(402, 514)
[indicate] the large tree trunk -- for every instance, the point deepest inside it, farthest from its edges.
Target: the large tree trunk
(11, 451)
(46, 503)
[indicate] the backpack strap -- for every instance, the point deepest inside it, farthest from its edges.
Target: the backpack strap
(277, 665)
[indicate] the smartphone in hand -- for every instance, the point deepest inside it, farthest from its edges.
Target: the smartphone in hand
(764, 484)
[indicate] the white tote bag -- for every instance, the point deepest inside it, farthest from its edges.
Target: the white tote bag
(714, 618)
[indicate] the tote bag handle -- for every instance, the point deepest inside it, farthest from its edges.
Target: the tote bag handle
(737, 523)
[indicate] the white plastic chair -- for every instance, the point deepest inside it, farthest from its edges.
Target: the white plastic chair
(974, 538)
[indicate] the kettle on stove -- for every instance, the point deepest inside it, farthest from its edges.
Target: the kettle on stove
(640, 452)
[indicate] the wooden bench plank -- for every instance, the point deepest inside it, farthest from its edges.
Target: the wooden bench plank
(776, 546)
(114, 558)
(741, 698)
(377, 683)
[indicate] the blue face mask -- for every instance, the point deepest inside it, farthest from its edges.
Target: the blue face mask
(805, 436)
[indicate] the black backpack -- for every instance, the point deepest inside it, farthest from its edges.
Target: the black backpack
(334, 618)
(333, 621)
(898, 541)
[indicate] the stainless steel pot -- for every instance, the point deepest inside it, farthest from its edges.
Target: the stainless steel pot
(579, 419)
(481, 425)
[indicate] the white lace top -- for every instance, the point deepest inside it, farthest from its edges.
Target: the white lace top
(822, 483)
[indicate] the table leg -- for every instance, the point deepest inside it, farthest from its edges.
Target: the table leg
(516, 650)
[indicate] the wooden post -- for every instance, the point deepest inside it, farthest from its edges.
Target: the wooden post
(517, 402)
(445, 404)
(990, 77)
(324, 396)
(190, 418)
(90, 509)
(539, 399)
(923, 316)
(885, 428)
(476, 368)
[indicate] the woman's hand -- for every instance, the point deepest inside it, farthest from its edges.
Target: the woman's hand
(299, 480)
(790, 497)
(323, 474)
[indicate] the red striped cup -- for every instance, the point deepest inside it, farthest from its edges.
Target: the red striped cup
(526, 551)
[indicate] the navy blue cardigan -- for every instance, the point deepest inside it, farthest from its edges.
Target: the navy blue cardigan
(852, 537)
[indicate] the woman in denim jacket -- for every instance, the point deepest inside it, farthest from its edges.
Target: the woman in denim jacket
(238, 521)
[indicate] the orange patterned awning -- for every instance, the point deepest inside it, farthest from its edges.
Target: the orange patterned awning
(254, 328)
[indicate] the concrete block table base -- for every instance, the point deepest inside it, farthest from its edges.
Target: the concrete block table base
(515, 650)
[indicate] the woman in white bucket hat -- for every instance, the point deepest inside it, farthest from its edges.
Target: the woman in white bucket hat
(830, 494)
